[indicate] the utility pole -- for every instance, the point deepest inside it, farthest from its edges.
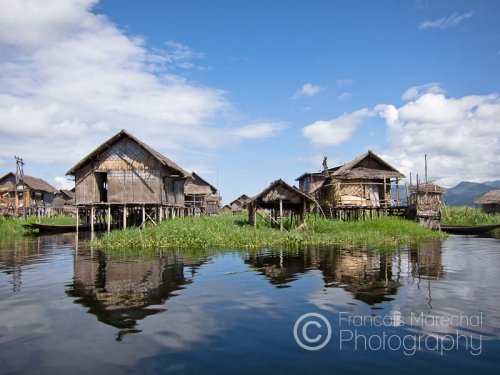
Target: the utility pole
(19, 183)
(426, 180)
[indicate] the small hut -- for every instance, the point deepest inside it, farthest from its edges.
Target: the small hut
(64, 202)
(281, 200)
(126, 180)
(239, 204)
(424, 204)
(490, 202)
(32, 195)
(365, 181)
(225, 210)
(200, 196)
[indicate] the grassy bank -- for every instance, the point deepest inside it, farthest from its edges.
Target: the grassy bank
(467, 216)
(14, 226)
(234, 232)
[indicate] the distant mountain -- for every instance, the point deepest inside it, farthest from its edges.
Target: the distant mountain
(465, 193)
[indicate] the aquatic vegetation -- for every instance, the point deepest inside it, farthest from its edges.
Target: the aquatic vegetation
(235, 232)
(10, 226)
(467, 216)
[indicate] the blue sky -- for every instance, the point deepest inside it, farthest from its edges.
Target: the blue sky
(254, 91)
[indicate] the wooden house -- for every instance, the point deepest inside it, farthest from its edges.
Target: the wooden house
(365, 181)
(200, 196)
(30, 195)
(129, 179)
(282, 200)
(64, 202)
(225, 210)
(490, 202)
(239, 204)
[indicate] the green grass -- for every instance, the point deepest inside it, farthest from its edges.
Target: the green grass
(14, 226)
(225, 232)
(467, 216)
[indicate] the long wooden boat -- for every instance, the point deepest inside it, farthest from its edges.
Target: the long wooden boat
(468, 229)
(58, 228)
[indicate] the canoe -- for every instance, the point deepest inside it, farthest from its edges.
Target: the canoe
(58, 228)
(468, 229)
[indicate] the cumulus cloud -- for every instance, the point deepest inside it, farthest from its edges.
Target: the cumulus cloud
(460, 135)
(336, 131)
(417, 91)
(452, 20)
(259, 130)
(309, 89)
(70, 78)
(64, 183)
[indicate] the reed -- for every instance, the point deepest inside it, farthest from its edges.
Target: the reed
(10, 226)
(467, 216)
(226, 232)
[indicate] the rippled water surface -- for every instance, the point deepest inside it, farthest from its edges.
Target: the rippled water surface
(64, 307)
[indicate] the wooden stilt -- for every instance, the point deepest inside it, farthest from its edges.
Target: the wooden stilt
(124, 216)
(143, 216)
(92, 219)
(77, 218)
(281, 215)
(109, 218)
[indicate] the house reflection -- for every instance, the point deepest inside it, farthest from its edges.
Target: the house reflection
(370, 276)
(119, 291)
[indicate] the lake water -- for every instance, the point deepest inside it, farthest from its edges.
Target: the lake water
(422, 308)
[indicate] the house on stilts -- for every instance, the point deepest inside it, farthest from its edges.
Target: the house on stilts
(126, 182)
(200, 196)
(278, 202)
(358, 188)
(26, 195)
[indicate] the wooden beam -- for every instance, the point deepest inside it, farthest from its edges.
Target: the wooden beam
(77, 218)
(124, 216)
(92, 219)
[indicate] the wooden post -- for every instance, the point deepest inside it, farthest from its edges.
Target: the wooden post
(92, 219)
(77, 218)
(281, 215)
(124, 216)
(143, 216)
(109, 218)
(161, 214)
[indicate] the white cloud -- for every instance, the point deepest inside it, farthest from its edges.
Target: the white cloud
(452, 20)
(70, 79)
(259, 130)
(417, 91)
(309, 89)
(336, 131)
(461, 137)
(64, 183)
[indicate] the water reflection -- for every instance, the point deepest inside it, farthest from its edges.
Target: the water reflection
(370, 276)
(15, 256)
(120, 291)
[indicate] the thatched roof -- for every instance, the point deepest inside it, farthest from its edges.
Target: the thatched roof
(319, 173)
(426, 188)
(124, 134)
(197, 185)
(279, 189)
(242, 199)
(31, 182)
(367, 166)
(70, 194)
(490, 197)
